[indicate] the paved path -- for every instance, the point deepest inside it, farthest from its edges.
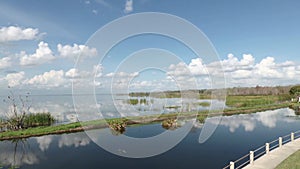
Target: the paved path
(275, 157)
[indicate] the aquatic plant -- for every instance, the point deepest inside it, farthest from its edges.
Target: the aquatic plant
(118, 126)
(170, 124)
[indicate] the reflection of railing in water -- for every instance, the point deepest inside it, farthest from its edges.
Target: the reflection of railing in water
(265, 149)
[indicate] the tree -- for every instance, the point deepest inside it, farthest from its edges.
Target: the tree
(295, 90)
(18, 108)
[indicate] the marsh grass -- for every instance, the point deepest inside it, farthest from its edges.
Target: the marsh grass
(253, 101)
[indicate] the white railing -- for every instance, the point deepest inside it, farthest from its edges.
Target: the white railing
(265, 149)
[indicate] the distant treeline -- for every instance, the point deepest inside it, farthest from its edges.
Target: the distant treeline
(259, 90)
(205, 93)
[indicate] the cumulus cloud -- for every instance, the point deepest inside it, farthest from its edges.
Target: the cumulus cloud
(76, 51)
(42, 55)
(49, 79)
(13, 33)
(128, 6)
(5, 62)
(267, 68)
(15, 79)
(74, 73)
(194, 68)
(233, 63)
(247, 72)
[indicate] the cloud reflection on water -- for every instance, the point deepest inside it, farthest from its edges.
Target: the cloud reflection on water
(250, 121)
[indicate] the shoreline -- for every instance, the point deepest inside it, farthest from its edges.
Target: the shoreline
(141, 120)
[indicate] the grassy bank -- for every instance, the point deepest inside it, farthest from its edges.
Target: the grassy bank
(292, 162)
(97, 124)
(237, 105)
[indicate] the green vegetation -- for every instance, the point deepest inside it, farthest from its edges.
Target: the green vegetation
(295, 91)
(138, 101)
(118, 126)
(172, 107)
(254, 101)
(28, 121)
(170, 124)
(204, 104)
(238, 104)
(38, 119)
(292, 162)
(133, 101)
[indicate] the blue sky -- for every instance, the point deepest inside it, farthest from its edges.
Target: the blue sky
(267, 30)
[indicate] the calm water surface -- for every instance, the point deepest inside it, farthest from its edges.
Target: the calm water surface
(235, 136)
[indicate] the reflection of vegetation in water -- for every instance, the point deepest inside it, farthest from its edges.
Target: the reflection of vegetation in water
(22, 145)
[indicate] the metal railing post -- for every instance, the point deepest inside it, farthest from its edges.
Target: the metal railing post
(280, 142)
(267, 148)
(231, 165)
(251, 157)
(292, 137)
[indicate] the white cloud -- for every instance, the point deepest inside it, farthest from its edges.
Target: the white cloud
(13, 33)
(5, 62)
(73, 140)
(232, 63)
(122, 74)
(121, 80)
(181, 69)
(42, 55)
(247, 72)
(267, 68)
(75, 74)
(44, 142)
(49, 79)
(197, 67)
(128, 6)
(97, 71)
(15, 79)
(75, 51)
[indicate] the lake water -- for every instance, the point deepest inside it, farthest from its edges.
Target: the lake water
(234, 137)
(62, 107)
